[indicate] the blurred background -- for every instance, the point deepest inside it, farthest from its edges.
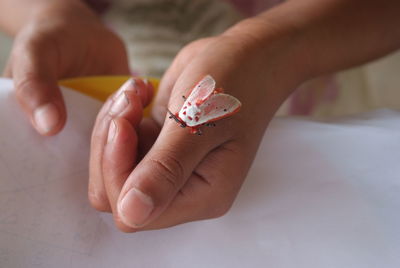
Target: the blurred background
(5, 46)
(372, 86)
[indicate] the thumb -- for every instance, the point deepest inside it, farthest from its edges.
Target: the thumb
(157, 179)
(36, 88)
(154, 183)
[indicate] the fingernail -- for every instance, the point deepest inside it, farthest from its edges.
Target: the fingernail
(46, 117)
(142, 88)
(135, 86)
(119, 104)
(111, 131)
(135, 208)
(149, 84)
(139, 86)
(126, 86)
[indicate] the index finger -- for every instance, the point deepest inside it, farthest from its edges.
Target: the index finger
(34, 72)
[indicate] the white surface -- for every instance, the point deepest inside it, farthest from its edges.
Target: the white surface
(318, 195)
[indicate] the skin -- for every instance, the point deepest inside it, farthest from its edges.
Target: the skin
(152, 174)
(55, 39)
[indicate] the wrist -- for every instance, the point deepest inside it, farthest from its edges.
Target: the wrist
(273, 43)
(276, 56)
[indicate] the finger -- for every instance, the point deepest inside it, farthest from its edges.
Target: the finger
(164, 170)
(171, 75)
(131, 86)
(144, 89)
(147, 132)
(210, 190)
(158, 177)
(96, 190)
(164, 91)
(123, 102)
(149, 92)
(118, 161)
(35, 80)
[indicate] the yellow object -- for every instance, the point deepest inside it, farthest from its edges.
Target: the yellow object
(100, 87)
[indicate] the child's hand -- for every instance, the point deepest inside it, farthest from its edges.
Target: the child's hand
(60, 41)
(184, 177)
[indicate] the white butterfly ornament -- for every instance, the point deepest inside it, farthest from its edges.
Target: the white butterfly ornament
(205, 105)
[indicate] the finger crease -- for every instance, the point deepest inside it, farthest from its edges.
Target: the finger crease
(181, 192)
(169, 171)
(202, 178)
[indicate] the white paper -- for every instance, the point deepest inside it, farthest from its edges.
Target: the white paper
(318, 195)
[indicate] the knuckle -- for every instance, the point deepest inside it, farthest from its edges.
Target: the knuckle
(23, 86)
(199, 43)
(187, 52)
(169, 169)
(26, 45)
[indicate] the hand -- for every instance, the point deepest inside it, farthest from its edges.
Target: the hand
(153, 179)
(57, 43)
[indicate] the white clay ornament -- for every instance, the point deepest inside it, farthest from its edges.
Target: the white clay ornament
(205, 105)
